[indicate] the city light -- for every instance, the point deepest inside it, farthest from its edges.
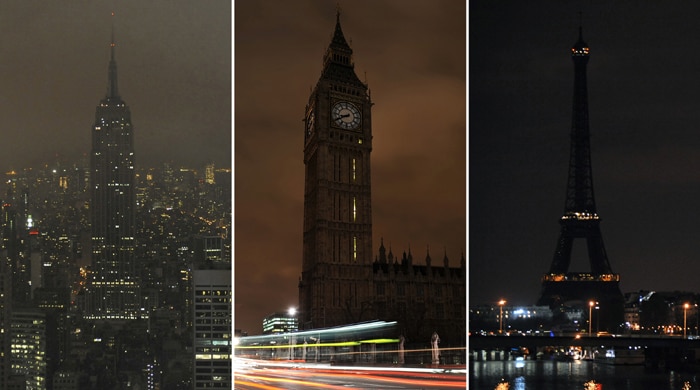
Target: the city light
(590, 313)
(500, 317)
(685, 313)
(280, 374)
(91, 272)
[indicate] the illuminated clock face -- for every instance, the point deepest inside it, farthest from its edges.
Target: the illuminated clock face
(345, 115)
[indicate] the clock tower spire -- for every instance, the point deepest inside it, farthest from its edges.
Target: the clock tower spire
(338, 52)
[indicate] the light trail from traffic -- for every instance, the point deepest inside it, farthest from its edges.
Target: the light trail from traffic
(255, 374)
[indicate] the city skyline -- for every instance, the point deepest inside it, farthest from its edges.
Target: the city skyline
(88, 246)
(644, 145)
(174, 71)
(412, 56)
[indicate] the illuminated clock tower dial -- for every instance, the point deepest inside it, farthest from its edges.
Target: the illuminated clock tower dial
(346, 115)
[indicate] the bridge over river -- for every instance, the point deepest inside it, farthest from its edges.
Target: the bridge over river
(508, 342)
(659, 351)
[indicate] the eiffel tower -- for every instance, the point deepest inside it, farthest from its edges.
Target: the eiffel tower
(600, 286)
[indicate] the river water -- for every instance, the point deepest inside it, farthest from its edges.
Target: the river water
(550, 375)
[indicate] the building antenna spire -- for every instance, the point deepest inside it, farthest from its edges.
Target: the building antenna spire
(112, 90)
(580, 25)
(112, 44)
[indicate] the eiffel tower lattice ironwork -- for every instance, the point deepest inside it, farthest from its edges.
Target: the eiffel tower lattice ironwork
(600, 286)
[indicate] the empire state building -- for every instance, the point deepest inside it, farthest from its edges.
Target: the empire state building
(113, 290)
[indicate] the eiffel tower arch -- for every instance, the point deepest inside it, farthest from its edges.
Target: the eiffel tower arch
(600, 286)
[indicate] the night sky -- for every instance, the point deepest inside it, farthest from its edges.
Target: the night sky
(174, 67)
(413, 56)
(643, 78)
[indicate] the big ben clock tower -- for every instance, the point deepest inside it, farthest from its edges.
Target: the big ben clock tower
(335, 284)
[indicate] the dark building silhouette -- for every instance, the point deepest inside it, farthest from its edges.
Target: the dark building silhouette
(113, 292)
(12, 250)
(337, 243)
(560, 287)
(5, 322)
(340, 282)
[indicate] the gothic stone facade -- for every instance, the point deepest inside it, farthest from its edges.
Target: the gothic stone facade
(340, 283)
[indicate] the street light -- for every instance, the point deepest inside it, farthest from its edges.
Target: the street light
(293, 327)
(685, 312)
(500, 318)
(590, 316)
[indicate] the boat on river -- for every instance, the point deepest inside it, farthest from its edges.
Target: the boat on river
(620, 355)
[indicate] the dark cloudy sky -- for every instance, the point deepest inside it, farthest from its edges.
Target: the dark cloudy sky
(413, 56)
(643, 82)
(174, 64)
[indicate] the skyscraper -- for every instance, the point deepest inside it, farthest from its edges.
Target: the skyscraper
(113, 292)
(5, 321)
(212, 328)
(28, 347)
